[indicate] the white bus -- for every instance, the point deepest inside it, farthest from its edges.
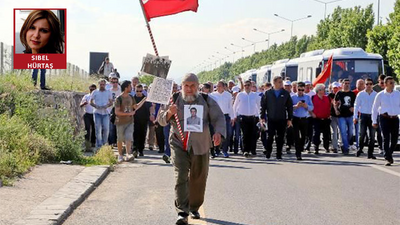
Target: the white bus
(351, 63)
(249, 75)
(264, 74)
(285, 68)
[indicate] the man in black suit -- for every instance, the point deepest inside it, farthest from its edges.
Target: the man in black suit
(278, 105)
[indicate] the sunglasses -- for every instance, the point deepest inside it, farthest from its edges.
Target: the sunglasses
(92, 89)
(347, 83)
(369, 83)
(300, 89)
(139, 91)
(247, 85)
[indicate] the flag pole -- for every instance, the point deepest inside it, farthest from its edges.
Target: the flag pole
(149, 29)
(330, 75)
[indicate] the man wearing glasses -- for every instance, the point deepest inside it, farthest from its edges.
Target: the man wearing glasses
(363, 107)
(115, 90)
(387, 106)
(90, 136)
(301, 105)
(344, 110)
(141, 120)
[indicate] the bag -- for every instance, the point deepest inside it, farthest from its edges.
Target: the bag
(113, 116)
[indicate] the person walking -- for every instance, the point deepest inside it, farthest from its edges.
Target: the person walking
(224, 100)
(106, 67)
(115, 90)
(344, 110)
(191, 156)
(362, 115)
(277, 111)
(301, 106)
(125, 106)
(287, 85)
(42, 78)
(386, 109)
(321, 116)
(334, 118)
(90, 136)
(310, 122)
(380, 86)
(101, 100)
(142, 117)
(245, 110)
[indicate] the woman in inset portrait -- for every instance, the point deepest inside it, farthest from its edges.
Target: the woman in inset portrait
(41, 34)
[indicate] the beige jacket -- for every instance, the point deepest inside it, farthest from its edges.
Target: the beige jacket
(199, 142)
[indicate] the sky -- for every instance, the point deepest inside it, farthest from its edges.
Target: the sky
(188, 38)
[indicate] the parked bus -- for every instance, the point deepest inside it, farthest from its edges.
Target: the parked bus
(285, 68)
(264, 74)
(249, 75)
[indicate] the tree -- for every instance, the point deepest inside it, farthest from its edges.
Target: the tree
(393, 52)
(146, 79)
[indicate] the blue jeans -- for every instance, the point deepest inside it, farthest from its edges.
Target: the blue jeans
(42, 77)
(112, 136)
(346, 132)
(102, 125)
(237, 141)
(357, 132)
(166, 138)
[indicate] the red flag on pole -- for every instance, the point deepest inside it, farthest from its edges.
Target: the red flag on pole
(326, 73)
(158, 8)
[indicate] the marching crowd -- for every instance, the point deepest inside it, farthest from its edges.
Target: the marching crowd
(294, 114)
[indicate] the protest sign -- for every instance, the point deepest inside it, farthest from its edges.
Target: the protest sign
(160, 91)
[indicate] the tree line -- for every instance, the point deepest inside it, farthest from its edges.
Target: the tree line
(345, 27)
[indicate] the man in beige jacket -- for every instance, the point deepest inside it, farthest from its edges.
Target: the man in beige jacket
(191, 164)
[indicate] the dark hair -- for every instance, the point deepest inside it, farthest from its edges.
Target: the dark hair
(276, 78)
(382, 77)
(206, 85)
(193, 108)
(139, 86)
(301, 84)
(56, 40)
(368, 79)
(268, 84)
(388, 78)
(106, 58)
(125, 84)
(93, 86)
(346, 79)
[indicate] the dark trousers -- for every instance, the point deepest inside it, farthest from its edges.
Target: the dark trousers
(264, 139)
(379, 136)
(90, 128)
(248, 125)
(309, 137)
(321, 126)
(139, 134)
(289, 137)
(237, 137)
(42, 77)
(276, 128)
(299, 133)
(226, 143)
(112, 136)
(160, 137)
(390, 133)
(366, 123)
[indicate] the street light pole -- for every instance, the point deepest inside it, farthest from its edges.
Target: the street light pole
(326, 3)
(233, 54)
(269, 34)
(254, 43)
(292, 21)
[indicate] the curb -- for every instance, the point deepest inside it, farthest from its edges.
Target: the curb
(55, 209)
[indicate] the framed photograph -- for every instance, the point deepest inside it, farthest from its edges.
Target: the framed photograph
(193, 118)
(40, 38)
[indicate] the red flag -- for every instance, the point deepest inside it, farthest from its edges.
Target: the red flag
(158, 8)
(326, 73)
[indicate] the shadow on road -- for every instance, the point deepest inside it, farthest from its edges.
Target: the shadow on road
(221, 222)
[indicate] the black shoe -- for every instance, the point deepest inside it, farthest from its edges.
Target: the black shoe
(166, 159)
(316, 152)
(371, 157)
(358, 153)
(151, 148)
(160, 151)
(195, 215)
(141, 153)
(299, 158)
(135, 154)
(246, 155)
(279, 158)
(45, 88)
(182, 220)
(388, 163)
(391, 161)
(334, 150)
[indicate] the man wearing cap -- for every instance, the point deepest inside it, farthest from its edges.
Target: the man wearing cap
(334, 118)
(386, 108)
(191, 163)
(287, 85)
(277, 108)
(310, 122)
(224, 100)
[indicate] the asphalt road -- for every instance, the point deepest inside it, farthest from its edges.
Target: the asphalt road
(329, 189)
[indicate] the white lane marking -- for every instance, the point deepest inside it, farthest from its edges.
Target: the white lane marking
(198, 222)
(386, 170)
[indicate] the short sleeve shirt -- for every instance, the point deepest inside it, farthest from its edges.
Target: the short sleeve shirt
(346, 100)
(126, 105)
(101, 98)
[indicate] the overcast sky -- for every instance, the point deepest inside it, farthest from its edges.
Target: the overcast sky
(118, 27)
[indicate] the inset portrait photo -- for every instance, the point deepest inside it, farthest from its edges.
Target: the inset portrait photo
(193, 115)
(40, 39)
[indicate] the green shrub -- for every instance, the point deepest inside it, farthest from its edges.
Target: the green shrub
(105, 156)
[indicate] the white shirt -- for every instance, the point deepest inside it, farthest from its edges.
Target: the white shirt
(386, 102)
(101, 98)
(311, 93)
(247, 104)
(224, 101)
(108, 68)
(364, 102)
(88, 107)
(114, 95)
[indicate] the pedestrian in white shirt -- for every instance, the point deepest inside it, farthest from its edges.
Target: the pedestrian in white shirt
(224, 100)
(363, 107)
(115, 90)
(246, 109)
(90, 136)
(387, 106)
